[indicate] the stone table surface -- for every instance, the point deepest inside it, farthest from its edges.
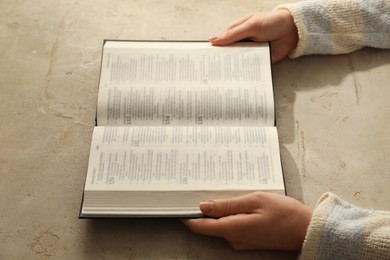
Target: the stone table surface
(333, 117)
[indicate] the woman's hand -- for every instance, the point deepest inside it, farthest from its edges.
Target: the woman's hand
(258, 220)
(278, 27)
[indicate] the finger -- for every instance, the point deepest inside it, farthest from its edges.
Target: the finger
(204, 226)
(238, 33)
(215, 39)
(226, 207)
(279, 50)
(221, 227)
(231, 228)
(239, 21)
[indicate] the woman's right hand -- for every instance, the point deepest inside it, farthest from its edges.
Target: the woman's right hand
(259, 220)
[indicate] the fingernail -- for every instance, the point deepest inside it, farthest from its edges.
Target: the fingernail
(206, 206)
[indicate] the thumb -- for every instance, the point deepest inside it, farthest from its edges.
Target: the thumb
(226, 207)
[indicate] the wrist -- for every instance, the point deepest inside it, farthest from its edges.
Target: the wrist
(288, 28)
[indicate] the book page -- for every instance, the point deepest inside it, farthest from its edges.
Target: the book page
(184, 158)
(190, 83)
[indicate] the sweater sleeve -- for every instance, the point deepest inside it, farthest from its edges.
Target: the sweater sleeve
(340, 26)
(339, 230)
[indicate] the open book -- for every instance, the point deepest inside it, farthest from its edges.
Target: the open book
(179, 123)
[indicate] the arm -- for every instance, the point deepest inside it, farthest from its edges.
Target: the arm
(337, 26)
(339, 230)
(315, 27)
(335, 230)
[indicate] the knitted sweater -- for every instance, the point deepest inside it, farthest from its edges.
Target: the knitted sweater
(340, 26)
(339, 230)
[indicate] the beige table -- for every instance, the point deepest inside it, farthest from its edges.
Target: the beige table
(333, 116)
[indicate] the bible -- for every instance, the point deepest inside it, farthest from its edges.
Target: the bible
(178, 123)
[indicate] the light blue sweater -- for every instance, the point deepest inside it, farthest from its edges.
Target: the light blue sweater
(339, 230)
(340, 26)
